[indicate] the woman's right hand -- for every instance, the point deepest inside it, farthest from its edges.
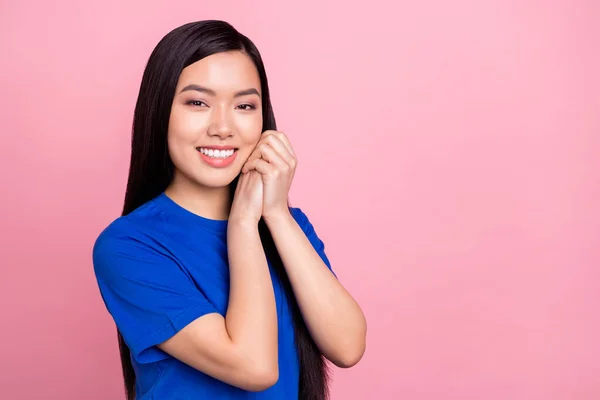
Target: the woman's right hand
(248, 198)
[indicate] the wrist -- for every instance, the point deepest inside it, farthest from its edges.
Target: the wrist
(244, 222)
(277, 216)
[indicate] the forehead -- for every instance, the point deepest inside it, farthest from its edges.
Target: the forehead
(230, 71)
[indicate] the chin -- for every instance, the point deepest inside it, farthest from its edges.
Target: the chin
(216, 180)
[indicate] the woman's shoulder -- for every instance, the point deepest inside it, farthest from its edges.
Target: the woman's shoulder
(301, 218)
(298, 214)
(116, 236)
(123, 244)
(121, 226)
(132, 225)
(133, 229)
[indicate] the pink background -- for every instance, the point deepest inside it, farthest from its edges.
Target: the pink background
(448, 158)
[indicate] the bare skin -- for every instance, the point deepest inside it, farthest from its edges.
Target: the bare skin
(241, 348)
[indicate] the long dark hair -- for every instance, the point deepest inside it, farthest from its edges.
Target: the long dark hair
(151, 169)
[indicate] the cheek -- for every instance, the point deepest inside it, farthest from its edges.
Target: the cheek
(176, 149)
(179, 137)
(249, 129)
(184, 127)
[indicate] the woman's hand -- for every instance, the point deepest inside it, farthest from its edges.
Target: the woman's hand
(248, 198)
(276, 162)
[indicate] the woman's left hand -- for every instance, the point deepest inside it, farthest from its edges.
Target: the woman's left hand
(275, 160)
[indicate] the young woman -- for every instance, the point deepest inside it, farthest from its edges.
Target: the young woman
(218, 288)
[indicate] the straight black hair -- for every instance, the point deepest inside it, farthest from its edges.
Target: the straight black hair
(151, 169)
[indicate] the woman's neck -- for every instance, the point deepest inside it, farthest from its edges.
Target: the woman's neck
(207, 202)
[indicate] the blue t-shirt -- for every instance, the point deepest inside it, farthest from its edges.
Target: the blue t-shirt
(161, 267)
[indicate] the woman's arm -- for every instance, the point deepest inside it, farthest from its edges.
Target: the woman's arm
(334, 319)
(240, 349)
(251, 314)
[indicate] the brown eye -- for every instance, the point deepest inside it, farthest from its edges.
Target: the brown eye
(196, 103)
(247, 107)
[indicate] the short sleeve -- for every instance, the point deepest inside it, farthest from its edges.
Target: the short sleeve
(148, 294)
(310, 232)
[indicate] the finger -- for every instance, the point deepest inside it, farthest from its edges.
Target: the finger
(254, 155)
(256, 152)
(261, 166)
(270, 155)
(283, 137)
(276, 139)
(267, 153)
(275, 142)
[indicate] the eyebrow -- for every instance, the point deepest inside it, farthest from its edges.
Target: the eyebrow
(211, 92)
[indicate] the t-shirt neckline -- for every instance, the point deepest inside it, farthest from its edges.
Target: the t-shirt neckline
(184, 214)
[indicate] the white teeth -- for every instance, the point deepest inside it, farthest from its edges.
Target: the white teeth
(217, 153)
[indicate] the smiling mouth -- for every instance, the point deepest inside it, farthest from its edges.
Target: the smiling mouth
(215, 153)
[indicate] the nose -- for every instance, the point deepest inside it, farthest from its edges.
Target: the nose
(220, 123)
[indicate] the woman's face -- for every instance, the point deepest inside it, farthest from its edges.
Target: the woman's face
(216, 119)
